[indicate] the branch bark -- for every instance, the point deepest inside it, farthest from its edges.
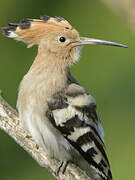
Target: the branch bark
(125, 8)
(9, 122)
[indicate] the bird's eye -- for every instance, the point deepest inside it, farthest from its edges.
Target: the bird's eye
(62, 39)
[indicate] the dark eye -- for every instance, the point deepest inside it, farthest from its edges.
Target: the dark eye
(62, 39)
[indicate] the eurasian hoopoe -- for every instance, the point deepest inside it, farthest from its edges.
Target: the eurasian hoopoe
(57, 111)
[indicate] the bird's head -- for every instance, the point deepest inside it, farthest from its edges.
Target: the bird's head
(53, 35)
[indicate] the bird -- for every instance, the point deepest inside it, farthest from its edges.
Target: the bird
(58, 112)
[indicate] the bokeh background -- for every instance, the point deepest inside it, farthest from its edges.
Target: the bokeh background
(108, 73)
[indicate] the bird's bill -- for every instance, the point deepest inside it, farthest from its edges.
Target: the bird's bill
(85, 41)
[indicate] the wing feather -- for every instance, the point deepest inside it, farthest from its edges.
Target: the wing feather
(74, 115)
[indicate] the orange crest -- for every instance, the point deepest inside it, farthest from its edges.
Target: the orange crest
(32, 30)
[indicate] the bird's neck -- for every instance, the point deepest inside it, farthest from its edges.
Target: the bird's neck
(50, 60)
(49, 72)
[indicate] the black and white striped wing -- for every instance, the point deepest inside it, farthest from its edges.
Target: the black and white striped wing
(74, 115)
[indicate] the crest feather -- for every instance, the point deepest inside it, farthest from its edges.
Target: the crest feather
(32, 30)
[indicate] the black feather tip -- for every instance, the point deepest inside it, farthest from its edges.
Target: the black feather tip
(25, 24)
(10, 27)
(45, 18)
(59, 18)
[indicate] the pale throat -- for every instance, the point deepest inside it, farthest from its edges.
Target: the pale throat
(49, 73)
(62, 60)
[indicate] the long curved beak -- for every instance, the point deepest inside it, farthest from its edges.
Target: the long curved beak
(85, 41)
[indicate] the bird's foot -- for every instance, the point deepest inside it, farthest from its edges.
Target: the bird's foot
(61, 167)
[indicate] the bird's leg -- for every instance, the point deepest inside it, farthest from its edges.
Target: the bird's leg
(64, 166)
(61, 167)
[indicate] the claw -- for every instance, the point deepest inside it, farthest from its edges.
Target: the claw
(37, 146)
(28, 136)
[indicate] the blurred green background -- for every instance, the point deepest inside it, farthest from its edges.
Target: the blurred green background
(106, 72)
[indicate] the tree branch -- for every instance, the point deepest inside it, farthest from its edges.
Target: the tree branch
(9, 122)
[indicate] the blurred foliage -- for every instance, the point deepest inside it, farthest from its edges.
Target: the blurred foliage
(106, 72)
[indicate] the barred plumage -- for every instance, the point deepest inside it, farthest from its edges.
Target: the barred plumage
(76, 118)
(58, 112)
